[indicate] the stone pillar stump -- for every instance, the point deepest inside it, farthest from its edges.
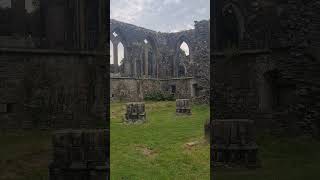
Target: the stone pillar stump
(233, 143)
(183, 106)
(135, 113)
(80, 154)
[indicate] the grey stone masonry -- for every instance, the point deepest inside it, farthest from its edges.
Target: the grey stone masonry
(183, 106)
(80, 155)
(233, 143)
(135, 113)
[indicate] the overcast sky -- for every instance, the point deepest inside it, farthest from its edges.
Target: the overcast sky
(161, 15)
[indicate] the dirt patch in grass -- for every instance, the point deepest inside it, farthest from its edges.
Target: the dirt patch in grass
(195, 143)
(147, 152)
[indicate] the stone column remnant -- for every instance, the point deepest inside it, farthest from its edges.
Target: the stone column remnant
(233, 143)
(135, 113)
(80, 154)
(183, 106)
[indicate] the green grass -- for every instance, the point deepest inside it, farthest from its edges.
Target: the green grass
(281, 159)
(156, 149)
(24, 155)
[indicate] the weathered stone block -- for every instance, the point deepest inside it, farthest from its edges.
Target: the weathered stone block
(183, 106)
(234, 143)
(78, 153)
(135, 113)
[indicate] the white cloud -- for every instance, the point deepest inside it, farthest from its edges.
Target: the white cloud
(165, 16)
(201, 10)
(128, 10)
(166, 2)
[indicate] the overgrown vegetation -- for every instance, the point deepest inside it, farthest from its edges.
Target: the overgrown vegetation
(159, 96)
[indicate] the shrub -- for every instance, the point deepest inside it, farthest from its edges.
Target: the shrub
(159, 96)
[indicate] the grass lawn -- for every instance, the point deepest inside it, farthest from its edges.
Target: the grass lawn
(25, 155)
(156, 149)
(281, 159)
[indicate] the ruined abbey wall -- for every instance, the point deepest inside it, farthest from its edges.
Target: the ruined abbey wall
(265, 64)
(50, 79)
(135, 89)
(51, 89)
(167, 61)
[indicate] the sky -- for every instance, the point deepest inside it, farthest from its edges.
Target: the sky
(161, 15)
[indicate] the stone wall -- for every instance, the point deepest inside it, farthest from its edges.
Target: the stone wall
(271, 72)
(135, 89)
(51, 89)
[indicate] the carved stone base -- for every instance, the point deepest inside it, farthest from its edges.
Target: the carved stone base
(80, 154)
(183, 107)
(135, 113)
(233, 143)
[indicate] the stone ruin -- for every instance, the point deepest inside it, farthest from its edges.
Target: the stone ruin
(53, 76)
(183, 106)
(154, 61)
(233, 143)
(265, 64)
(135, 113)
(80, 155)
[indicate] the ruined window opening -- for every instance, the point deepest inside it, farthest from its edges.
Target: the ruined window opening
(120, 53)
(182, 71)
(173, 89)
(111, 53)
(230, 29)
(150, 63)
(138, 68)
(195, 90)
(185, 48)
(114, 34)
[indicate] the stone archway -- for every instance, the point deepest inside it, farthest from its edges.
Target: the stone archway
(118, 39)
(233, 26)
(150, 61)
(176, 61)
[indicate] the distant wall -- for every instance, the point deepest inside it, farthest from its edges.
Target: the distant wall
(132, 89)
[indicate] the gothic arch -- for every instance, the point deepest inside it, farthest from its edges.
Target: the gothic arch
(233, 19)
(176, 63)
(120, 37)
(151, 62)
